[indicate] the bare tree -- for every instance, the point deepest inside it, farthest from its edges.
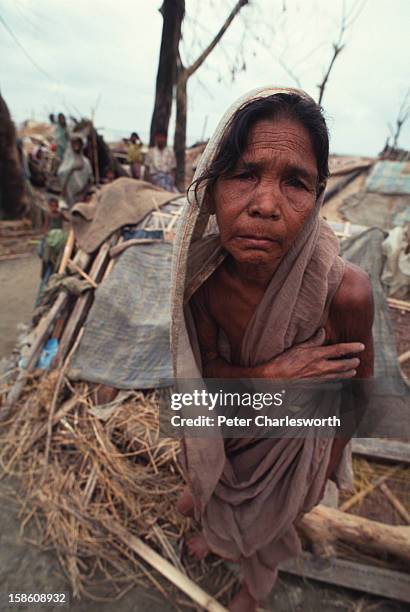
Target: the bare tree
(348, 18)
(402, 117)
(183, 74)
(173, 13)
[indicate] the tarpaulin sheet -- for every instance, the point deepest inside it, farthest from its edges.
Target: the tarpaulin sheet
(376, 210)
(388, 414)
(365, 250)
(389, 177)
(126, 337)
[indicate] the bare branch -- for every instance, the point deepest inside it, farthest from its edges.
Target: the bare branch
(336, 51)
(289, 72)
(202, 57)
(347, 20)
(402, 117)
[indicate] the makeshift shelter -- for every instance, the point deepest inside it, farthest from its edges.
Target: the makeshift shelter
(375, 193)
(368, 192)
(84, 436)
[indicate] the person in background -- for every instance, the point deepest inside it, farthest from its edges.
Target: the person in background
(75, 173)
(54, 218)
(51, 246)
(134, 155)
(160, 164)
(61, 135)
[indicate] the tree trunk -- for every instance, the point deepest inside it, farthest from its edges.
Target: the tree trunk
(180, 129)
(173, 14)
(181, 96)
(324, 526)
(12, 190)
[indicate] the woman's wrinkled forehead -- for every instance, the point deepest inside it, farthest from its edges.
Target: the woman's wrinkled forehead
(229, 139)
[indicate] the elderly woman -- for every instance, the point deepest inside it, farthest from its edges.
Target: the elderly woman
(260, 292)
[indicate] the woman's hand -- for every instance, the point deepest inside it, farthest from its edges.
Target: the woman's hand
(335, 361)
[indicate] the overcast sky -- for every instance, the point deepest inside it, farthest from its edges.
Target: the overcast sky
(84, 53)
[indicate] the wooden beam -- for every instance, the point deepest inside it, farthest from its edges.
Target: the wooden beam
(381, 448)
(352, 575)
(324, 526)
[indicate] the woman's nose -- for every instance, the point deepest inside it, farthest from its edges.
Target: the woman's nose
(266, 202)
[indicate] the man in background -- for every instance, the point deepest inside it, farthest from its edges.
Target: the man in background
(134, 155)
(160, 164)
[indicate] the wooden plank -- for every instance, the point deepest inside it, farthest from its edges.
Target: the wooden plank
(83, 302)
(380, 448)
(340, 572)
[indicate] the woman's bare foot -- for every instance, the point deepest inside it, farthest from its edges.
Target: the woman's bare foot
(198, 547)
(243, 601)
(185, 504)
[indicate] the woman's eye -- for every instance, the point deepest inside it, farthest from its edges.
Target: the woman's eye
(294, 182)
(245, 176)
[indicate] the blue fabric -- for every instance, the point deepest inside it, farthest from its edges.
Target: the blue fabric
(128, 233)
(390, 177)
(165, 180)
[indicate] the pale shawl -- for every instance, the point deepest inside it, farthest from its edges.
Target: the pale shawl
(249, 500)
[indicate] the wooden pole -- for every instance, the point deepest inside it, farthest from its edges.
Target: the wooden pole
(71, 264)
(327, 525)
(84, 301)
(174, 575)
(398, 304)
(69, 245)
(404, 357)
(42, 330)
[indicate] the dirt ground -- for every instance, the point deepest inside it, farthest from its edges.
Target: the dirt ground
(19, 282)
(26, 569)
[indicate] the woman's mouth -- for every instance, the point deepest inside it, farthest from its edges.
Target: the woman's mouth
(258, 242)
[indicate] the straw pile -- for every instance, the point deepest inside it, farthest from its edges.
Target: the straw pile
(81, 472)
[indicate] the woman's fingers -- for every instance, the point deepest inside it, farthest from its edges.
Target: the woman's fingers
(333, 351)
(341, 365)
(341, 375)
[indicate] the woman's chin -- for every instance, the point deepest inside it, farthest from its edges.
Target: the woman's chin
(256, 257)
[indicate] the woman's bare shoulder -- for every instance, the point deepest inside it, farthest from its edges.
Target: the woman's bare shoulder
(355, 290)
(352, 308)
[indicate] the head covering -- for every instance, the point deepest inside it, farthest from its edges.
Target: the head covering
(248, 496)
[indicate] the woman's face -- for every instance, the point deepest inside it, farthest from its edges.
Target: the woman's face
(261, 206)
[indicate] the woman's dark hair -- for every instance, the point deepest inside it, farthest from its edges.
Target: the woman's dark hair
(277, 106)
